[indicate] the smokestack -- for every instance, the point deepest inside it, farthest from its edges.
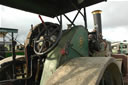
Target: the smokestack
(97, 22)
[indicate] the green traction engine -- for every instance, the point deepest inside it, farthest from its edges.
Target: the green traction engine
(53, 56)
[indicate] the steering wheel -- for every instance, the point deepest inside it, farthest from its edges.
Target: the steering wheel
(47, 38)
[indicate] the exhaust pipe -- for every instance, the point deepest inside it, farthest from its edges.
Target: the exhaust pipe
(97, 23)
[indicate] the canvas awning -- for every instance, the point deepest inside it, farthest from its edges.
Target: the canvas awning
(4, 31)
(50, 8)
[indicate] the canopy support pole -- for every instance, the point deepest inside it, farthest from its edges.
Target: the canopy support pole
(13, 56)
(85, 18)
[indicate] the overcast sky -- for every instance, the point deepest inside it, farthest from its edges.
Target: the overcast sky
(114, 19)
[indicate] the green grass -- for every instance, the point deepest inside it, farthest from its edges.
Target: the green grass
(7, 54)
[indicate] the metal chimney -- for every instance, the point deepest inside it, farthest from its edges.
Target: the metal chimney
(97, 22)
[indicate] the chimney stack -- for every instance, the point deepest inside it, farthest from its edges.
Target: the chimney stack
(97, 22)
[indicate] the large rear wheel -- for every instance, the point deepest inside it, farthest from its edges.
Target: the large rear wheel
(111, 76)
(87, 71)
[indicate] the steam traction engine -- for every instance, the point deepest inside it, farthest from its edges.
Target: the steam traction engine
(63, 57)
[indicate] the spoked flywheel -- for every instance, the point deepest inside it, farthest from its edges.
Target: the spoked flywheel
(45, 38)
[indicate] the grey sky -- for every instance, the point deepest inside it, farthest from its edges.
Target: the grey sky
(114, 20)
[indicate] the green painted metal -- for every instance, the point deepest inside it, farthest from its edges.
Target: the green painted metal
(49, 8)
(78, 46)
(120, 48)
(80, 40)
(74, 47)
(8, 30)
(123, 48)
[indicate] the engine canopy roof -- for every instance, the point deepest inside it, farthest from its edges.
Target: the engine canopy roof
(50, 8)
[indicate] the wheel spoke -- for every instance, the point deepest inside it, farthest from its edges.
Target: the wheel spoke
(41, 49)
(53, 32)
(50, 41)
(38, 30)
(37, 41)
(40, 33)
